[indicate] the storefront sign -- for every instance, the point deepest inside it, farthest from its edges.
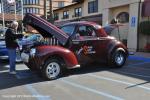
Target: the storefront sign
(133, 21)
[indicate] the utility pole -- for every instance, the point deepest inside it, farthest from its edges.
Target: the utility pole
(51, 11)
(22, 14)
(3, 13)
(15, 9)
(45, 9)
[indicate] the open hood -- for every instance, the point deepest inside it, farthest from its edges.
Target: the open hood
(45, 28)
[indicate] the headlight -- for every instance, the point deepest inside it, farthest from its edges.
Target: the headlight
(32, 51)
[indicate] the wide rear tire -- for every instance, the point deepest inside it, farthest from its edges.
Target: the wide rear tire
(118, 59)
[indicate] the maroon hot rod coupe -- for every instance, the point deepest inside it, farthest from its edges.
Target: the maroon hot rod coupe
(72, 45)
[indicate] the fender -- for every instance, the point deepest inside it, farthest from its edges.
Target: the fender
(68, 56)
(116, 46)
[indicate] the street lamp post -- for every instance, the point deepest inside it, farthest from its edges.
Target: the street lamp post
(22, 13)
(45, 9)
(15, 9)
(51, 11)
(3, 13)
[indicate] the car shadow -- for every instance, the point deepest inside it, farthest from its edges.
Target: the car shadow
(9, 81)
(90, 68)
(3, 63)
(26, 76)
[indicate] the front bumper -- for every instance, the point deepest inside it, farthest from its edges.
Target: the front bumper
(25, 57)
(76, 66)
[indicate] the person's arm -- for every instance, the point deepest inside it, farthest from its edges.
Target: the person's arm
(12, 35)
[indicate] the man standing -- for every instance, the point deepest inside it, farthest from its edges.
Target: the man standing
(11, 45)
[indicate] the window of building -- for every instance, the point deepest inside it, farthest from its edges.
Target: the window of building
(24, 1)
(31, 10)
(65, 14)
(123, 17)
(37, 10)
(93, 6)
(61, 4)
(27, 1)
(24, 11)
(27, 10)
(78, 12)
(34, 10)
(34, 2)
(37, 2)
(56, 16)
(31, 2)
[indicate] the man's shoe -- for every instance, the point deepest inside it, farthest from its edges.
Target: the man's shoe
(12, 72)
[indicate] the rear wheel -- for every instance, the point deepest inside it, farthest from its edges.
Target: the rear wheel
(52, 69)
(118, 59)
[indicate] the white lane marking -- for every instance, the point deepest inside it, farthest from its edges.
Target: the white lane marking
(91, 90)
(145, 76)
(36, 94)
(4, 71)
(117, 81)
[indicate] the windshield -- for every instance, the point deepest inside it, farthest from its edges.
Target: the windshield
(68, 29)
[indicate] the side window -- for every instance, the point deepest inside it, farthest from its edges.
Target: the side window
(91, 31)
(68, 29)
(86, 31)
(82, 31)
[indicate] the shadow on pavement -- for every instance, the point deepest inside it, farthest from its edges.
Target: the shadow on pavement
(8, 81)
(3, 63)
(24, 77)
(137, 85)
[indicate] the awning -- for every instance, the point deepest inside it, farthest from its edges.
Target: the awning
(146, 8)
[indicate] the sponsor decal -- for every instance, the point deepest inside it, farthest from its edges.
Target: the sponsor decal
(86, 50)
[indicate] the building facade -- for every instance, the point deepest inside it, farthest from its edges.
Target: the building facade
(79, 10)
(127, 14)
(29, 6)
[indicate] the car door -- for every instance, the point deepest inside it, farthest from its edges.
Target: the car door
(89, 46)
(83, 43)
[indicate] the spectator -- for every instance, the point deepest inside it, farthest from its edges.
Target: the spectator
(11, 45)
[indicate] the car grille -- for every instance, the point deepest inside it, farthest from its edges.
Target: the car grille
(50, 41)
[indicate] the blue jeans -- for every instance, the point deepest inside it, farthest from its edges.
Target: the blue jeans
(12, 59)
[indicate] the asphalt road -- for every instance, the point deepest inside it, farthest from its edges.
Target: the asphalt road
(94, 82)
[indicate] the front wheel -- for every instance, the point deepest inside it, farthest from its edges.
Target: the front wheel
(52, 69)
(118, 59)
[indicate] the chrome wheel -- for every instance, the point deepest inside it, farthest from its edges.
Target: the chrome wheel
(119, 58)
(52, 70)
